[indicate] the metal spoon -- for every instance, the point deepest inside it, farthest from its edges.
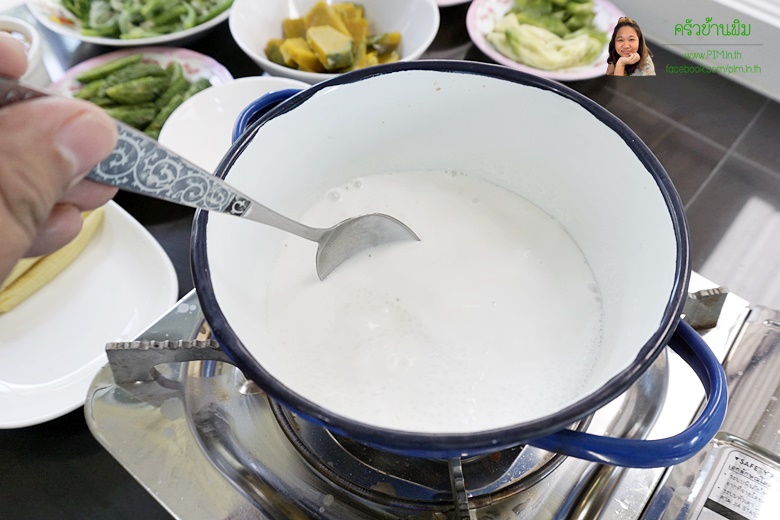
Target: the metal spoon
(140, 165)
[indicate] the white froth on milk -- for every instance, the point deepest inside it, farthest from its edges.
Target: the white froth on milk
(491, 320)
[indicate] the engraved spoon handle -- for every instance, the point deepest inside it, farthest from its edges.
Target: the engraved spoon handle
(139, 164)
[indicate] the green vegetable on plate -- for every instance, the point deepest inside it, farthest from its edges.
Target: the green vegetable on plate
(138, 93)
(132, 19)
(549, 34)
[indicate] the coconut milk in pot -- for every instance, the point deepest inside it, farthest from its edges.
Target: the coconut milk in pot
(493, 319)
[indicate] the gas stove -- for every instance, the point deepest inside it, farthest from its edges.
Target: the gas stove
(208, 444)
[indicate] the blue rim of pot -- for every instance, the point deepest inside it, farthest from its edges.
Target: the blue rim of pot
(444, 445)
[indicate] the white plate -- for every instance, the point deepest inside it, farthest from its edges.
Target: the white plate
(447, 3)
(52, 344)
(54, 16)
(194, 64)
(483, 14)
(200, 129)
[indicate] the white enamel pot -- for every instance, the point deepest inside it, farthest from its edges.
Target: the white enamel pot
(533, 136)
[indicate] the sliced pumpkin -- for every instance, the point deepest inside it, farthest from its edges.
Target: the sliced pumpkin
(358, 29)
(332, 47)
(273, 52)
(294, 28)
(297, 53)
(349, 10)
(324, 14)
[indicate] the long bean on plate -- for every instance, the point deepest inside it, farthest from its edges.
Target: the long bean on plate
(128, 19)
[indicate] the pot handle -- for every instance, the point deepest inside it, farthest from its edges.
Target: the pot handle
(258, 108)
(661, 452)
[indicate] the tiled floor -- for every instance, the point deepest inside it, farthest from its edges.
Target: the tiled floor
(720, 144)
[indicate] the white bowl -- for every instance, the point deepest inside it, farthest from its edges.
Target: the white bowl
(52, 15)
(36, 71)
(253, 23)
(200, 129)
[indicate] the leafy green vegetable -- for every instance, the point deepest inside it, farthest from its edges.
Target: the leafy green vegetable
(128, 19)
(549, 34)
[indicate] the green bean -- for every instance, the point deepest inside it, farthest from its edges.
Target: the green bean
(139, 93)
(170, 16)
(133, 19)
(156, 124)
(197, 86)
(90, 90)
(137, 116)
(104, 102)
(174, 71)
(154, 6)
(138, 90)
(102, 71)
(129, 73)
(214, 12)
(178, 86)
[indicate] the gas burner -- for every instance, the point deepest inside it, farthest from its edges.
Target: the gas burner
(207, 443)
(238, 428)
(416, 483)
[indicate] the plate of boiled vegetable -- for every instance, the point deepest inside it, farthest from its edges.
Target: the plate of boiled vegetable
(130, 23)
(142, 87)
(564, 40)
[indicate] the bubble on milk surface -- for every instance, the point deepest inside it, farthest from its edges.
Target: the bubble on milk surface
(418, 314)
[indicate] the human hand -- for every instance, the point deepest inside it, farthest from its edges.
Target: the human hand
(48, 145)
(630, 59)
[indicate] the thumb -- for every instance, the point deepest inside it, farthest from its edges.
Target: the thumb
(47, 146)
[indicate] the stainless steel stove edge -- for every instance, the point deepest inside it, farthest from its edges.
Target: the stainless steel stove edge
(146, 422)
(738, 474)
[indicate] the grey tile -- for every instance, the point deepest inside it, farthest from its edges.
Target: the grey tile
(687, 157)
(762, 142)
(710, 104)
(735, 232)
(595, 89)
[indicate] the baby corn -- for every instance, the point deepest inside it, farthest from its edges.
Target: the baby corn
(21, 267)
(31, 274)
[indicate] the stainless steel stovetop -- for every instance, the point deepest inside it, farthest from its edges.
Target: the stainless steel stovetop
(208, 444)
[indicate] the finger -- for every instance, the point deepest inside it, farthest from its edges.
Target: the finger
(14, 61)
(62, 226)
(65, 220)
(87, 195)
(48, 145)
